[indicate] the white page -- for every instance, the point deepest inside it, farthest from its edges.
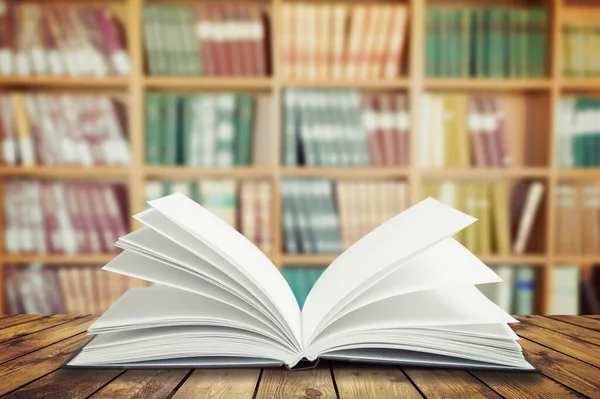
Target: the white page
(163, 306)
(237, 249)
(171, 230)
(445, 263)
(137, 266)
(373, 256)
(452, 305)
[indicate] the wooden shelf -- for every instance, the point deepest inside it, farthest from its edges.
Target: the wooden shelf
(381, 84)
(324, 260)
(211, 83)
(484, 173)
(109, 82)
(579, 174)
(488, 84)
(346, 173)
(57, 260)
(580, 84)
(67, 172)
(188, 173)
(576, 259)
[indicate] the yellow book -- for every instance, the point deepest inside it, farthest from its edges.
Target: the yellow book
(501, 217)
(485, 228)
(23, 129)
(449, 120)
(463, 146)
(470, 198)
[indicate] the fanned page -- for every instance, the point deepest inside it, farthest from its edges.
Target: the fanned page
(405, 293)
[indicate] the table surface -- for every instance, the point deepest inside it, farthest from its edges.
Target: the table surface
(34, 347)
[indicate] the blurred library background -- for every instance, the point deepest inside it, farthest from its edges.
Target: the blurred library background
(304, 125)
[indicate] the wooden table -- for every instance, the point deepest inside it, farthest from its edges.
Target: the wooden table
(34, 347)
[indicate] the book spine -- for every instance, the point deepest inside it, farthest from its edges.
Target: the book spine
(243, 133)
(524, 290)
(369, 124)
(225, 130)
(340, 17)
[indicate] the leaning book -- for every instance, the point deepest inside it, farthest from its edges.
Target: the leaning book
(403, 294)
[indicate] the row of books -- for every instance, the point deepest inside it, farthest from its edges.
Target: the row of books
(62, 218)
(345, 128)
(245, 205)
(461, 130)
(43, 39)
(62, 129)
(506, 215)
(342, 41)
(206, 39)
(486, 42)
(577, 133)
(323, 217)
(220, 129)
(581, 41)
(75, 290)
(578, 219)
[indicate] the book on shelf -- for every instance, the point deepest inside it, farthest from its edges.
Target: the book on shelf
(62, 129)
(516, 293)
(301, 280)
(221, 302)
(246, 205)
(75, 290)
(580, 41)
(62, 218)
(507, 215)
(343, 41)
(483, 42)
(39, 39)
(590, 292)
(564, 289)
(323, 217)
(461, 130)
(206, 39)
(345, 128)
(577, 214)
(577, 133)
(209, 130)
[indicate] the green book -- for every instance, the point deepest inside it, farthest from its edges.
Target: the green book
(513, 43)
(170, 130)
(523, 57)
(290, 127)
(430, 42)
(465, 40)
(541, 34)
(524, 290)
(579, 152)
(494, 48)
(153, 129)
(186, 142)
(453, 31)
(225, 129)
(290, 225)
(444, 43)
(243, 128)
(480, 43)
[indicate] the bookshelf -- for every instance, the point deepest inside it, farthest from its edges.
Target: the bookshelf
(134, 88)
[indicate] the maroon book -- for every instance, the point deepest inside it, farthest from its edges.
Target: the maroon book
(248, 64)
(219, 47)
(88, 219)
(387, 127)
(204, 29)
(259, 42)
(500, 135)
(76, 217)
(478, 145)
(370, 127)
(114, 42)
(53, 238)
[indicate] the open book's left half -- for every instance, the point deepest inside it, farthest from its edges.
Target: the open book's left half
(405, 293)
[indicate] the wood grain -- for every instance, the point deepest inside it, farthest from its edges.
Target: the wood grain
(18, 372)
(20, 330)
(29, 343)
(223, 383)
(367, 382)
(449, 384)
(143, 384)
(594, 317)
(562, 343)
(515, 385)
(16, 319)
(67, 383)
(280, 383)
(579, 321)
(577, 375)
(571, 330)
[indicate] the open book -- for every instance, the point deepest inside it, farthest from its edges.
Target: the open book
(405, 293)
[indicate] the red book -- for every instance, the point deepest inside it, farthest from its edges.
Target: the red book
(233, 22)
(388, 132)
(219, 48)
(76, 216)
(258, 39)
(478, 145)
(500, 133)
(374, 137)
(402, 127)
(100, 217)
(50, 42)
(204, 29)
(88, 220)
(247, 67)
(114, 42)
(111, 205)
(53, 237)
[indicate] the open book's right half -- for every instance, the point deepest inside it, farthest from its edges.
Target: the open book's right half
(405, 293)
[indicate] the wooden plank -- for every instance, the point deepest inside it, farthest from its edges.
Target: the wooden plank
(592, 316)
(280, 383)
(362, 381)
(562, 343)
(16, 319)
(571, 372)
(221, 383)
(571, 330)
(29, 343)
(143, 384)
(23, 370)
(514, 385)
(33, 326)
(67, 383)
(449, 384)
(579, 321)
